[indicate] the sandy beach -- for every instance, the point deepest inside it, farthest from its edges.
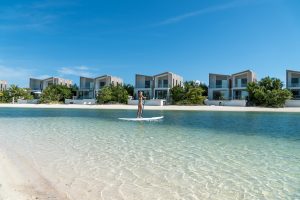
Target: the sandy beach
(20, 181)
(170, 107)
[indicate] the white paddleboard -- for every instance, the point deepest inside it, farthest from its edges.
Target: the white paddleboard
(142, 119)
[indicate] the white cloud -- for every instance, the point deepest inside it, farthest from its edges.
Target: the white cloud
(75, 71)
(82, 67)
(15, 75)
(212, 9)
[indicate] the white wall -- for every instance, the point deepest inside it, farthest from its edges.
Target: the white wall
(292, 103)
(151, 102)
(81, 101)
(33, 101)
(239, 103)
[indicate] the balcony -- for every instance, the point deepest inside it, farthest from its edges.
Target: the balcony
(296, 97)
(295, 85)
(221, 86)
(243, 85)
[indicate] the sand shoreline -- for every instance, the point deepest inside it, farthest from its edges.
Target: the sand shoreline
(171, 107)
(20, 180)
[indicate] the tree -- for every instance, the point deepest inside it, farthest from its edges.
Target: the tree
(1, 97)
(104, 95)
(74, 89)
(129, 88)
(119, 94)
(177, 94)
(112, 93)
(14, 93)
(205, 89)
(268, 92)
(191, 93)
(56, 94)
(194, 95)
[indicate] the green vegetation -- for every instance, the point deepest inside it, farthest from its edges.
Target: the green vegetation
(129, 88)
(191, 94)
(112, 94)
(56, 94)
(14, 93)
(268, 92)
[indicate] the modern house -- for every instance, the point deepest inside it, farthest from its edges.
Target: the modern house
(164, 82)
(89, 87)
(3, 85)
(219, 87)
(239, 84)
(293, 83)
(157, 86)
(144, 84)
(38, 85)
(230, 87)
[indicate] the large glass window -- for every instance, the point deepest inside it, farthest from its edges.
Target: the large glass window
(218, 83)
(244, 82)
(295, 82)
(159, 83)
(165, 84)
(102, 84)
(161, 94)
(296, 94)
(147, 84)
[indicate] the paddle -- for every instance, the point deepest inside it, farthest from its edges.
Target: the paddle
(143, 108)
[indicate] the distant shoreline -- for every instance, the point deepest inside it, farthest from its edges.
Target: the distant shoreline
(170, 107)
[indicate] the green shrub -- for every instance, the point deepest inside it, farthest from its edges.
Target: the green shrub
(56, 94)
(268, 92)
(112, 94)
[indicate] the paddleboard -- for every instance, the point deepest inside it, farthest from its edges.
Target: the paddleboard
(142, 119)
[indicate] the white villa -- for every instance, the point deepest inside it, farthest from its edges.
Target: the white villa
(38, 85)
(219, 87)
(157, 86)
(89, 87)
(230, 87)
(3, 85)
(293, 83)
(239, 84)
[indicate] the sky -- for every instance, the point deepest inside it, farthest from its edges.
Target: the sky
(192, 38)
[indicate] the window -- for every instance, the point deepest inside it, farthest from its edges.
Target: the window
(244, 82)
(161, 94)
(102, 84)
(147, 84)
(165, 84)
(295, 80)
(218, 83)
(159, 83)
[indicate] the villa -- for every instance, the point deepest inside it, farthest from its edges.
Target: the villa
(223, 88)
(239, 84)
(219, 87)
(293, 83)
(157, 86)
(38, 85)
(89, 87)
(3, 85)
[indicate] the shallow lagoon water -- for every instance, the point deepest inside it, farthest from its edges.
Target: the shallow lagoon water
(90, 154)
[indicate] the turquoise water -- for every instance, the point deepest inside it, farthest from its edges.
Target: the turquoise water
(90, 154)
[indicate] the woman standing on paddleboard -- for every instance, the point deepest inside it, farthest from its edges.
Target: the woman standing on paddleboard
(140, 104)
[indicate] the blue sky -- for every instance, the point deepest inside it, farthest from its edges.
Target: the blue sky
(191, 38)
